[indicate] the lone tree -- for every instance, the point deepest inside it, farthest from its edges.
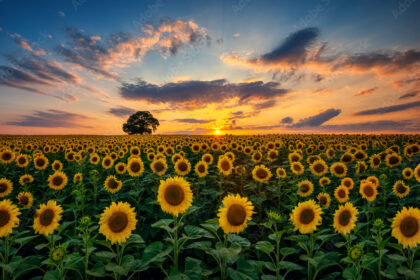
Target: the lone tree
(141, 122)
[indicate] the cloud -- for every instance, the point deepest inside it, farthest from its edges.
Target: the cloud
(287, 120)
(366, 91)
(193, 121)
(120, 49)
(201, 93)
(121, 111)
(409, 94)
(61, 14)
(52, 119)
(317, 120)
(236, 35)
(24, 44)
(389, 109)
(377, 126)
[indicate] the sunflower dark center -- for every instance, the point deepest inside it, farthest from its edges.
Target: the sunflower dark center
(118, 222)
(323, 200)
(304, 188)
(4, 217)
(40, 161)
(393, 160)
(174, 195)
(376, 161)
(257, 156)
(307, 216)
(236, 215)
(22, 160)
(57, 180)
(401, 188)
(56, 166)
(24, 200)
(407, 173)
(341, 193)
(182, 166)
(107, 162)
(347, 183)
(225, 165)
(207, 159)
(7, 156)
(135, 166)
(3, 187)
(201, 168)
(46, 217)
(295, 158)
(409, 226)
(159, 166)
(368, 190)
(120, 167)
(339, 169)
(112, 183)
(261, 173)
(344, 218)
(319, 167)
(297, 167)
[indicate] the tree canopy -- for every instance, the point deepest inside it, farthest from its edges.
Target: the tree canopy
(141, 122)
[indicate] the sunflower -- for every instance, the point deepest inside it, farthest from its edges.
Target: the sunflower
(135, 167)
(8, 217)
(235, 214)
(22, 160)
(120, 168)
(406, 227)
(373, 179)
(261, 173)
(347, 157)
(305, 188)
(47, 218)
(224, 165)
(306, 216)
(201, 168)
(417, 172)
(57, 165)
(94, 159)
(182, 167)
(341, 193)
(407, 173)
(319, 167)
(392, 160)
(375, 161)
(40, 162)
(6, 187)
(348, 183)
(57, 181)
(117, 222)
(361, 167)
(25, 199)
(345, 218)
(257, 157)
(368, 190)
(26, 179)
(339, 169)
(112, 184)
(324, 181)
(77, 178)
(272, 155)
(159, 166)
(107, 162)
(297, 167)
(208, 158)
(174, 195)
(6, 156)
(295, 156)
(324, 200)
(400, 189)
(280, 172)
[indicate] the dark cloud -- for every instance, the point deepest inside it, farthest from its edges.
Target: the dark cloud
(52, 119)
(366, 91)
(409, 94)
(265, 105)
(293, 50)
(317, 120)
(287, 120)
(121, 111)
(43, 68)
(200, 93)
(382, 125)
(389, 109)
(193, 121)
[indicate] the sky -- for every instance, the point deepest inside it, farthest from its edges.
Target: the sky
(236, 67)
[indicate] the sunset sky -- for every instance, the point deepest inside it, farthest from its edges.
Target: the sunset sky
(240, 66)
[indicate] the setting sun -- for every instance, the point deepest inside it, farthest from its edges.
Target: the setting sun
(217, 132)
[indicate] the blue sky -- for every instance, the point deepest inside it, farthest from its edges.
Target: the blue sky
(238, 66)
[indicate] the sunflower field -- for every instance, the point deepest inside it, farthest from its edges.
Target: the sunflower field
(210, 207)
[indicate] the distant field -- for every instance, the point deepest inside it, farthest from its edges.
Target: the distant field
(210, 207)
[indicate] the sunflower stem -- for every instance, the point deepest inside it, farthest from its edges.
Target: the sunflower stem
(176, 242)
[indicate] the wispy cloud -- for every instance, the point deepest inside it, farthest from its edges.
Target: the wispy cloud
(366, 91)
(409, 94)
(121, 111)
(389, 109)
(193, 121)
(52, 119)
(317, 120)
